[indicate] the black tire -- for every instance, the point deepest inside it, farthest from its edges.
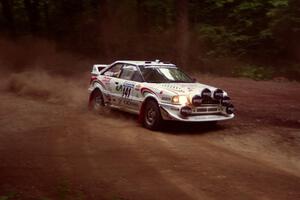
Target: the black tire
(96, 103)
(152, 117)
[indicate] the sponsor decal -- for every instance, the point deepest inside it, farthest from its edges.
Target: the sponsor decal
(129, 102)
(126, 92)
(127, 84)
(119, 88)
(126, 89)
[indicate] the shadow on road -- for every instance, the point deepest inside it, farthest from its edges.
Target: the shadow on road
(175, 127)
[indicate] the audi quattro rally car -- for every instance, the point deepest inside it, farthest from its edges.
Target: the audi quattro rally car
(156, 91)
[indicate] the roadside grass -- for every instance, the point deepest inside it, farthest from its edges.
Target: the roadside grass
(9, 196)
(290, 72)
(254, 72)
(231, 67)
(65, 191)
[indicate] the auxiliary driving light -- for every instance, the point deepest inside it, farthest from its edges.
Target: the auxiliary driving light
(230, 109)
(206, 93)
(186, 111)
(218, 94)
(197, 100)
(225, 101)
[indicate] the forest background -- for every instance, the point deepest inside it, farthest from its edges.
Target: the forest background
(259, 39)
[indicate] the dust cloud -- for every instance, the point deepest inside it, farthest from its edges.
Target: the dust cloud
(37, 69)
(29, 53)
(40, 85)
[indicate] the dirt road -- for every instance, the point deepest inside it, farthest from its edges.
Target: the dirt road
(51, 147)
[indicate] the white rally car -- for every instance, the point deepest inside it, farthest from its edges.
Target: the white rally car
(156, 91)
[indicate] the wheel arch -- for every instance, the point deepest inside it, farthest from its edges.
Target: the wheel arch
(92, 93)
(142, 109)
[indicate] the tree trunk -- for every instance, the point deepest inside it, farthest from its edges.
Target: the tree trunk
(8, 15)
(182, 37)
(105, 29)
(31, 7)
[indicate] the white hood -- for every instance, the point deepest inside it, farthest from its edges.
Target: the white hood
(185, 88)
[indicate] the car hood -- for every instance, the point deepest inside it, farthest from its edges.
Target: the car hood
(185, 88)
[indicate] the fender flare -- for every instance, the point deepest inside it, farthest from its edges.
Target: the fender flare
(96, 86)
(149, 96)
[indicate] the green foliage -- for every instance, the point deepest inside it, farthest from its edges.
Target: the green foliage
(254, 72)
(244, 27)
(222, 41)
(64, 189)
(260, 29)
(9, 196)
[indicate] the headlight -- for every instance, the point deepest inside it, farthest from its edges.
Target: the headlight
(180, 100)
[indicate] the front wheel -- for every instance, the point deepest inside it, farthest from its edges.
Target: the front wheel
(152, 118)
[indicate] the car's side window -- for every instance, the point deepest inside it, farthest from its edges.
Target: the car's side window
(130, 72)
(137, 77)
(114, 71)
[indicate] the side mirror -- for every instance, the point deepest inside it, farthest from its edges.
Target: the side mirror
(194, 80)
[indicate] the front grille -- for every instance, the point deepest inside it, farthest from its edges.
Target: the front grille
(201, 110)
(212, 109)
(207, 110)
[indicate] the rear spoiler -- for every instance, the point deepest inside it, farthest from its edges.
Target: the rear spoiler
(98, 68)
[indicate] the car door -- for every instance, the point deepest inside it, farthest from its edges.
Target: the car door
(131, 80)
(114, 83)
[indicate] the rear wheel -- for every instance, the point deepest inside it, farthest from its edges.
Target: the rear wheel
(152, 118)
(96, 101)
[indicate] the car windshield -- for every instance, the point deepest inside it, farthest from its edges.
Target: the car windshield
(155, 74)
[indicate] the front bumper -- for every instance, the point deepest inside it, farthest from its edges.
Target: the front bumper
(200, 114)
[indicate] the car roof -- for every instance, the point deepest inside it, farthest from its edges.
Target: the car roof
(145, 63)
